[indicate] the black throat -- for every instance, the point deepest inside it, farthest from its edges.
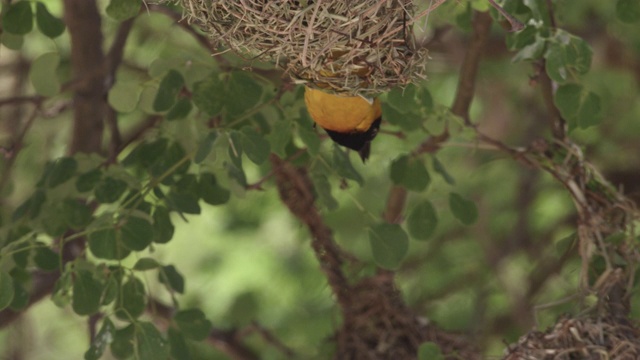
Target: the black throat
(357, 140)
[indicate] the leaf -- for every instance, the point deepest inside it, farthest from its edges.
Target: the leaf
(122, 10)
(211, 192)
(111, 289)
(463, 209)
(169, 276)
(342, 165)
(77, 214)
(147, 154)
(440, 169)
(18, 20)
(628, 11)
(43, 76)
(86, 293)
(205, 147)
(122, 345)
(531, 52)
(209, 95)
(280, 136)
(132, 300)
(422, 221)
(105, 245)
(193, 324)
(46, 259)
(179, 110)
(168, 91)
(255, 146)
(61, 171)
(109, 190)
(389, 244)
(48, 24)
(179, 349)
(20, 299)
(403, 100)
(6, 290)
(408, 122)
(103, 338)
(323, 190)
(61, 293)
(243, 94)
(124, 96)
(580, 107)
(174, 161)
(430, 351)
(145, 264)
(162, 227)
(88, 181)
(567, 57)
(136, 233)
(150, 343)
(410, 172)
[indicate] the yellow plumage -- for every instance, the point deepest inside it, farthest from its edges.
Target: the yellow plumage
(343, 114)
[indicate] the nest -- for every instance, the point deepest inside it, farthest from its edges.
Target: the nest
(353, 47)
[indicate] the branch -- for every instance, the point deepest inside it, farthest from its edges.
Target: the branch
(467, 82)
(297, 193)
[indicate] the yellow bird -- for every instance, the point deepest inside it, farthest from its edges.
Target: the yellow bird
(351, 121)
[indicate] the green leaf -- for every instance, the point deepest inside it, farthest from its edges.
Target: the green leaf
(54, 221)
(147, 154)
(205, 147)
(122, 10)
(567, 57)
(579, 106)
(46, 259)
(137, 233)
(430, 351)
(109, 190)
(342, 165)
(162, 227)
(408, 122)
(77, 214)
(132, 300)
(531, 52)
(179, 349)
(403, 100)
(193, 324)
(389, 244)
(124, 96)
(31, 206)
(168, 91)
(243, 94)
(18, 20)
(422, 221)
(211, 192)
(150, 343)
(61, 294)
(440, 169)
(255, 146)
(88, 181)
(6, 290)
(20, 299)
(180, 110)
(86, 293)
(463, 209)
(11, 41)
(280, 136)
(169, 276)
(111, 289)
(518, 40)
(103, 338)
(122, 345)
(183, 202)
(43, 76)
(21, 253)
(628, 10)
(61, 171)
(105, 245)
(323, 190)
(209, 95)
(48, 24)
(145, 264)
(410, 172)
(174, 161)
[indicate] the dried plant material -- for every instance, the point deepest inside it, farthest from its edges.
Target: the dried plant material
(353, 47)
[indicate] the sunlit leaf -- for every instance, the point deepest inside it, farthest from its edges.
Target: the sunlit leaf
(123, 9)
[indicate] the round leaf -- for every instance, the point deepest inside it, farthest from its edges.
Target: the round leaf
(136, 233)
(389, 244)
(168, 90)
(193, 324)
(123, 9)
(43, 76)
(18, 20)
(422, 221)
(86, 293)
(6, 290)
(48, 24)
(463, 209)
(132, 300)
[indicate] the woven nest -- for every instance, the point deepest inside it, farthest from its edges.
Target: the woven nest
(354, 47)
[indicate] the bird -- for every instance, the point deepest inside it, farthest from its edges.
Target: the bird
(350, 121)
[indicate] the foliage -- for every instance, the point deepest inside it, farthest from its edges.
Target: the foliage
(135, 230)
